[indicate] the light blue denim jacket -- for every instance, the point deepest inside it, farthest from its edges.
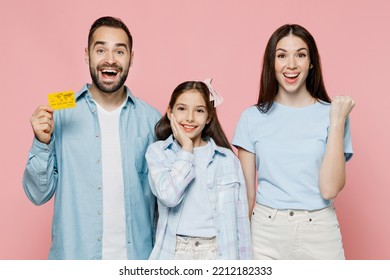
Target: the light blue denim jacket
(70, 167)
(171, 173)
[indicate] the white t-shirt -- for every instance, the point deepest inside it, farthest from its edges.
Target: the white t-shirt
(114, 221)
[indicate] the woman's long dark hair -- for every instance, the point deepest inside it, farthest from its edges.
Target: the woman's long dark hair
(213, 129)
(268, 83)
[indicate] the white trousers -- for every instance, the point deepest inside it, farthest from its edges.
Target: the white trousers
(195, 248)
(296, 234)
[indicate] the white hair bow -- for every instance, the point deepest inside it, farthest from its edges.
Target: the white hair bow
(214, 96)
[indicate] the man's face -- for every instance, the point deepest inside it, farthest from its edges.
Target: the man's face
(109, 58)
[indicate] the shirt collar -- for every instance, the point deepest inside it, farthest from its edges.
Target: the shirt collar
(85, 92)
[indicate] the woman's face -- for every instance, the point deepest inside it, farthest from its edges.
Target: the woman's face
(292, 65)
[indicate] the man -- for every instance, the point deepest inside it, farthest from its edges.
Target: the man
(92, 158)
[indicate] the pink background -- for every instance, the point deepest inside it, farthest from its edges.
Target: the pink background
(42, 45)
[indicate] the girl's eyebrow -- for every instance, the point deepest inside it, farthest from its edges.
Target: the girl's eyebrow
(182, 104)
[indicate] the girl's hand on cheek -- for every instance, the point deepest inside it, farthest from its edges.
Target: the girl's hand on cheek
(180, 136)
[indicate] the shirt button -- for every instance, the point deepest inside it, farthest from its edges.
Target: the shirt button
(197, 243)
(99, 238)
(291, 213)
(99, 212)
(98, 161)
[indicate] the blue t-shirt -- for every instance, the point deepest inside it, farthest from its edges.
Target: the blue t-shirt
(289, 143)
(197, 217)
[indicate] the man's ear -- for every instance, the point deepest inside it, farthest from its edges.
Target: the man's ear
(131, 58)
(86, 56)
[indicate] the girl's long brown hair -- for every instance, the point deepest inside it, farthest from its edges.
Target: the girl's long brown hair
(213, 129)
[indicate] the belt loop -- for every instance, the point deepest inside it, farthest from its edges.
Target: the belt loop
(308, 216)
(272, 214)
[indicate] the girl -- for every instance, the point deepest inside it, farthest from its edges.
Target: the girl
(198, 182)
(299, 143)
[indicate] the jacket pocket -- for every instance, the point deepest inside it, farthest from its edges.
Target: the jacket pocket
(227, 186)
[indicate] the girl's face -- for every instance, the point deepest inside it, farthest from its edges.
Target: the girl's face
(191, 114)
(292, 64)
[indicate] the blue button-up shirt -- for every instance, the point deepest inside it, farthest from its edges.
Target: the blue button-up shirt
(70, 167)
(172, 172)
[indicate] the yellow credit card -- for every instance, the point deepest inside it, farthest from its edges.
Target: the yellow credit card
(62, 100)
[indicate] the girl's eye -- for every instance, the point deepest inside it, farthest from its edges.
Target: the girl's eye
(301, 55)
(282, 55)
(200, 111)
(180, 108)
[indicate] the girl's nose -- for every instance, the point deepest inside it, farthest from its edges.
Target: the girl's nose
(190, 116)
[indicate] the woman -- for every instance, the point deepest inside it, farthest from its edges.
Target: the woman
(297, 141)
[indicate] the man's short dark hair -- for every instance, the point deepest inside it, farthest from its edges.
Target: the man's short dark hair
(109, 22)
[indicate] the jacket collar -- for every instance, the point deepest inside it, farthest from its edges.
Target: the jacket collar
(171, 143)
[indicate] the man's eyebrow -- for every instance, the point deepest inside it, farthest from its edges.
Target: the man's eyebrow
(99, 43)
(121, 45)
(104, 43)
